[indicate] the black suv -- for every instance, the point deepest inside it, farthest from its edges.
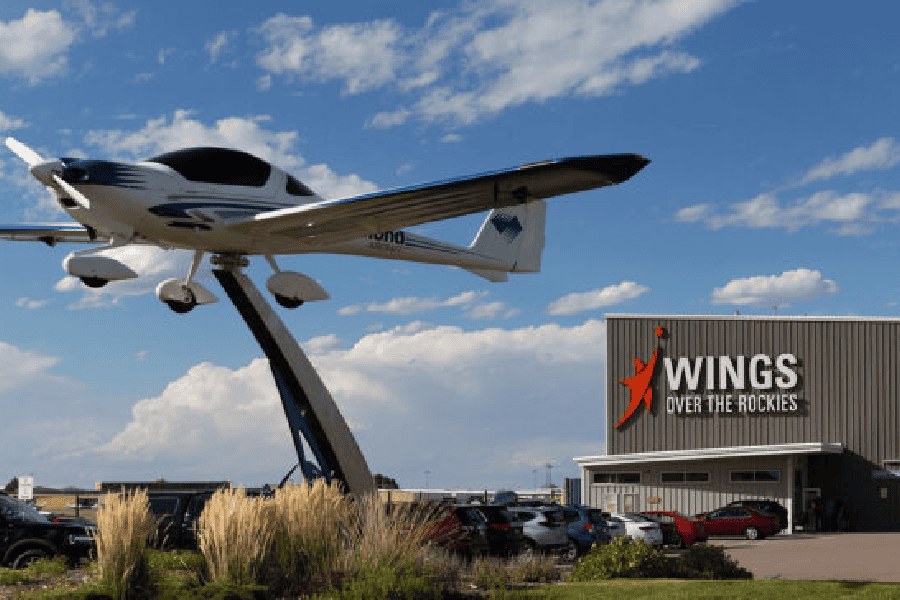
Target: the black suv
(26, 536)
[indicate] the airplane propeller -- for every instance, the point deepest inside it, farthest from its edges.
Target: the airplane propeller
(24, 152)
(42, 168)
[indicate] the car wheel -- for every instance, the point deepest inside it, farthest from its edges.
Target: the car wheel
(752, 533)
(29, 557)
(570, 553)
(528, 552)
(678, 542)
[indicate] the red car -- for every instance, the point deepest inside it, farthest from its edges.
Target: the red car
(740, 520)
(678, 530)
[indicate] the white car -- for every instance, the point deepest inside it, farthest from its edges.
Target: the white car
(641, 528)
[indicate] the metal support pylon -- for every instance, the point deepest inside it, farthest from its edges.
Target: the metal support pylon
(308, 406)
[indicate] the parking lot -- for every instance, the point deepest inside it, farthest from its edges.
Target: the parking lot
(843, 556)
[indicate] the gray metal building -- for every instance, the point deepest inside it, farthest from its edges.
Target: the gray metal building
(703, 410)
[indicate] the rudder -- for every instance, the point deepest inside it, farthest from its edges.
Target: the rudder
(514, 235)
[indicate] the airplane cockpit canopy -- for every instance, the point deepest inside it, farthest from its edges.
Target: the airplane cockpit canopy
(221, 166)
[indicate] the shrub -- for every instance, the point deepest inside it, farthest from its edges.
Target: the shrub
(491, 574)
(383, 582)
(537, 569)
(125, 527)
(626, 558)
(709, 562)
(622, 558)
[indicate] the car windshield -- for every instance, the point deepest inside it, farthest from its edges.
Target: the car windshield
(15, 509)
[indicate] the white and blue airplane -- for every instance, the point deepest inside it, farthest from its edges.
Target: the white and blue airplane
(230, 203)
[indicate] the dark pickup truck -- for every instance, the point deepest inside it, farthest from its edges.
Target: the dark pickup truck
(177, 515)
(26, 536)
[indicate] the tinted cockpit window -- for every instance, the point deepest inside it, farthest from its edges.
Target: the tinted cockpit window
(295, 188)
(217, 165)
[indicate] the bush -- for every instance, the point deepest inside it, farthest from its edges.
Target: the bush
(537, 569)
(383, 582)
(709, 562)
(622, 558)
(627, 558)
(125, 527)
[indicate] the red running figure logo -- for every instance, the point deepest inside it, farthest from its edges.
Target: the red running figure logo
(639, 383)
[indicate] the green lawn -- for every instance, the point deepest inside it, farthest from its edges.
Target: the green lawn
(732, 590)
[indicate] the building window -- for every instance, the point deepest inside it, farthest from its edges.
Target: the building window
(773, 476)
(685, 477)
(633, 478)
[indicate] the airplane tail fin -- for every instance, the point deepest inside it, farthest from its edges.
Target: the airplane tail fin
(514, 236)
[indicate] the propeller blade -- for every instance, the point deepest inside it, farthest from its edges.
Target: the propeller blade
(75, 194)
(24, 152)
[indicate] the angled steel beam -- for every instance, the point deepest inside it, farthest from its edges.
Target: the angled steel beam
(308, 406)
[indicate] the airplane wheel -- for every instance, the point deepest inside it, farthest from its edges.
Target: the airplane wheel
(183, 307)
(287, 302)
(94, 282)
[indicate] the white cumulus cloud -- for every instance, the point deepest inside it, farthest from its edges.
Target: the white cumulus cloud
(21, 367)
(577, 303)
(776, 290)
(883, 154)
(35, 47)
(457, 403)
(482, 58)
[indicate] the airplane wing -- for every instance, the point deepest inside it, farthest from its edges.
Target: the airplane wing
(49, 233)
(332, 221)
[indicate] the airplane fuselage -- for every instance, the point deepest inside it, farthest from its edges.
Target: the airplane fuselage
(150, 203)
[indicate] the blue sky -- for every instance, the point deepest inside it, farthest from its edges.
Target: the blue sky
(773, 186)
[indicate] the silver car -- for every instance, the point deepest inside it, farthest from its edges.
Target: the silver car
(542, 527)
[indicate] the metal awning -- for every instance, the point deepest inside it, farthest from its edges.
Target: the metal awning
(610, 460)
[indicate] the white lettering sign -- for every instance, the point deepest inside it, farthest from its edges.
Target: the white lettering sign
(732, 374)
(729, 403)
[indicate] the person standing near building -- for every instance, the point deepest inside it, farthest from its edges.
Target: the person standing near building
(819, 512)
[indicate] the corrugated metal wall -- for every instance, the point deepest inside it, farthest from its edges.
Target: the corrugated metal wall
(847, 388)
(690, 498)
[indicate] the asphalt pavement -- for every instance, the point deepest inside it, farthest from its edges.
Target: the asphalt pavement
(836, 556)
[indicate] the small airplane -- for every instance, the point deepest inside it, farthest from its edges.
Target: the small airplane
(233, 204)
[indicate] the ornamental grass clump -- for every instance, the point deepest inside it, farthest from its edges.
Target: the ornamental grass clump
(394, 535)
(125, 528)
(310, 535)
(236, 534)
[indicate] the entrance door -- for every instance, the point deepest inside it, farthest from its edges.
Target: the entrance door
(809, 510)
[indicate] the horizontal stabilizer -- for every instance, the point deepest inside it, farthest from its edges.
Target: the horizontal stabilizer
(495, 276)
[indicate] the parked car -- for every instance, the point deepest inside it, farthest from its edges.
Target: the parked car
(27, 536)
(639, 527)
(740, 520)
(178, 515)
(460, 529)
(585, 527)
(614, 525)
(678, 530)
(767, 506)
(504, 535)
(543, 528)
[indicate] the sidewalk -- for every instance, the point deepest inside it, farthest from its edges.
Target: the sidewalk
(843, 556)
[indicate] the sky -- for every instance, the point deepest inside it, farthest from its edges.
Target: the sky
(774, 187)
